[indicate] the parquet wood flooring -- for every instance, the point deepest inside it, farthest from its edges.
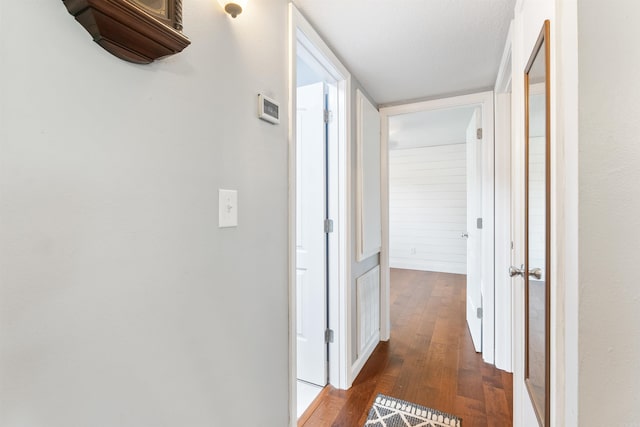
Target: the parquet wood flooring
(429, 360)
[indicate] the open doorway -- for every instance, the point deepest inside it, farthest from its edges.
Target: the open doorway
(315, 99)
(441, 198)
(318, 212)
(435, 198)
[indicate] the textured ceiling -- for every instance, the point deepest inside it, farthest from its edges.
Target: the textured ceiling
(410, 49)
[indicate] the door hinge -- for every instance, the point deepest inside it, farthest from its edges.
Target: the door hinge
(328, 116)
(479, 223)
(328, 336)
(328, 226)
(479, 133)
(479, 312)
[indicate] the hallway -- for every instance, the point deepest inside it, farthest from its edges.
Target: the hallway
(429, 360)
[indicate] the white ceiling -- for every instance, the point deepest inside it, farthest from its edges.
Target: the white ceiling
(429, 128)
(409, 49)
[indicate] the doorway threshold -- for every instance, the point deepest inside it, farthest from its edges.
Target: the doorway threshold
(308, 396)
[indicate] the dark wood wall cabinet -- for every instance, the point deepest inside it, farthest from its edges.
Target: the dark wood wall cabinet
(138, 31)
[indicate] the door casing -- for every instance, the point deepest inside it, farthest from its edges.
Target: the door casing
(503, 229)
(484, 100)
(339, 182)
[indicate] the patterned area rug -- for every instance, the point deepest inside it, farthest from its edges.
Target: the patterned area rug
(390, 412)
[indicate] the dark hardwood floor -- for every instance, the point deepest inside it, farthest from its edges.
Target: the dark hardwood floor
(430, 360)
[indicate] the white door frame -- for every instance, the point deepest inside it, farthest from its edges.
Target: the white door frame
(503, 249)
(300, 31)
(485, 100)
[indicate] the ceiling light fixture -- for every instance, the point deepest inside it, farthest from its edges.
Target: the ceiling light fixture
(233, 8)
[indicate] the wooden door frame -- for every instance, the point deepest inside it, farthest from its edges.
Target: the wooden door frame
(485, 101)
(338, 197)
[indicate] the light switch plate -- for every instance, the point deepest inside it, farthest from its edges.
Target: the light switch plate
(227, 208)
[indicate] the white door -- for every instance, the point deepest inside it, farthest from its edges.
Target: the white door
(474, 229)
(310, 236)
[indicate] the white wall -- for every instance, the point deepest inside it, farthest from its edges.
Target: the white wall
(609, 233)
(121, 302)
(428, 208)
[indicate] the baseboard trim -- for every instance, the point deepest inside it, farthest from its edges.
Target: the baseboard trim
(359, 363)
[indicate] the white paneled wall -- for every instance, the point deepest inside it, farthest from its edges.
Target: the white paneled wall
(368, 308)
(428, 208)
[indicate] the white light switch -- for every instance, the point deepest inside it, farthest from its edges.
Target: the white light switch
(227, 208)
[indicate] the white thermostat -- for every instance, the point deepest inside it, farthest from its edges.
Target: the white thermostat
(268, 109)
